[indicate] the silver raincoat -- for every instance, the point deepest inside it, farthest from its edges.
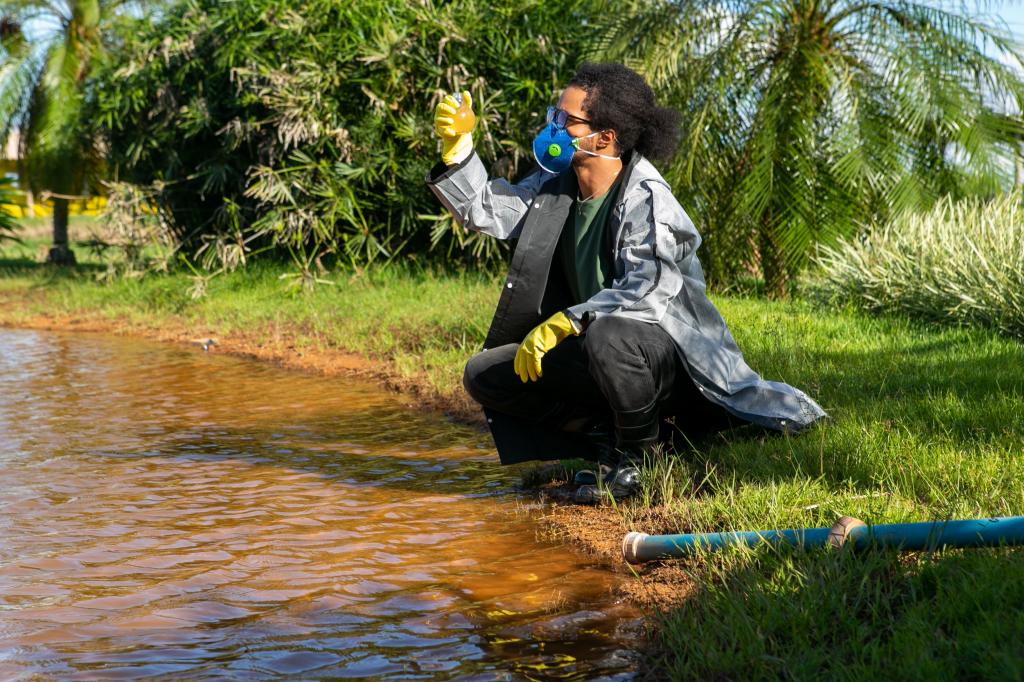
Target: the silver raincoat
(657, 279)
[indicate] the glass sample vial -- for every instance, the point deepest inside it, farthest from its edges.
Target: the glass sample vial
(464, 117)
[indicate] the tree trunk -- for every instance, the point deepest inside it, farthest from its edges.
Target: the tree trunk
(773, 268)
(60, 252)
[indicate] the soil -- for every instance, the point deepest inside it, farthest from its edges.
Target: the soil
(596, 530)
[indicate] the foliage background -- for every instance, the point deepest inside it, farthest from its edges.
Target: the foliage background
(304, 129)
(306, 126)
(805, 121)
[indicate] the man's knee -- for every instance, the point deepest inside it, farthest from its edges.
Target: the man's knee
(488, 376)
(609, 337)
(471, 377)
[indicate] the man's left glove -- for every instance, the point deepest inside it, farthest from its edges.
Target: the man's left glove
(456, 142)
(539, 341)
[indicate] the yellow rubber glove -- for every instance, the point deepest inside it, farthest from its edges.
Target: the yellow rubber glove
(455, 146)
(539, 341)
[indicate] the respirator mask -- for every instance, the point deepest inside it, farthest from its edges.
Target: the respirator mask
(554, 147)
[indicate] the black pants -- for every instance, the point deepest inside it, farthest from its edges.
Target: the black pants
(621, 371)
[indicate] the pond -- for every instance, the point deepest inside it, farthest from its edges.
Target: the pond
(168, 512)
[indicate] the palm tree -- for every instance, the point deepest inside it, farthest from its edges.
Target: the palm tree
(804, 119)
(41, 95)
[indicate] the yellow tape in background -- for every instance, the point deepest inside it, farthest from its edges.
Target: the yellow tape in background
(85, 207)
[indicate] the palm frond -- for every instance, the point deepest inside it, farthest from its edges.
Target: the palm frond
(809, 120)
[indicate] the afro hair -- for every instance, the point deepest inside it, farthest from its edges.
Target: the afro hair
(620, 99)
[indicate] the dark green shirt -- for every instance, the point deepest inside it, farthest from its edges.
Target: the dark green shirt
(587, 263)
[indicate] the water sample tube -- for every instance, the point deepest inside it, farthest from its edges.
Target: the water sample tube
(465, 119)
(640, 547)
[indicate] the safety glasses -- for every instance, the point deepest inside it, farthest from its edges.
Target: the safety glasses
(561, 117)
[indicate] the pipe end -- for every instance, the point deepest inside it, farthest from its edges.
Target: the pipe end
(840, 531)
(631, 545)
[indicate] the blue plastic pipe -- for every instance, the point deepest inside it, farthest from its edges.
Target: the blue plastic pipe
(640, 547)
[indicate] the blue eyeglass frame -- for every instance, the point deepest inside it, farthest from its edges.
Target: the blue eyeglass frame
(560, 117)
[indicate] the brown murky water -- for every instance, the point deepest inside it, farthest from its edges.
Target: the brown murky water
(168, 512)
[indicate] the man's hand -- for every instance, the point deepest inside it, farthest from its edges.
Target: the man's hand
(455, 146)
(539, 341)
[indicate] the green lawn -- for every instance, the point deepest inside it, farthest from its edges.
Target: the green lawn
(928, 423)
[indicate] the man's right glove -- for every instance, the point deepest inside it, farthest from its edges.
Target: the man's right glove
(543, 337)
(455, 146)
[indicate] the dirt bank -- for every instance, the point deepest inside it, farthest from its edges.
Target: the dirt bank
(273, 344)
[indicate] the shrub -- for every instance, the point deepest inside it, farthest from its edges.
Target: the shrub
(959, 262)
(305, 127)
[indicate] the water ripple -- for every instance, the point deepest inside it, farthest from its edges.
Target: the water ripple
(173, 513)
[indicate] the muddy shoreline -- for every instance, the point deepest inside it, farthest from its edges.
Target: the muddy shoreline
(597, 531)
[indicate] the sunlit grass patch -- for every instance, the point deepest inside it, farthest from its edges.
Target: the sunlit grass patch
(781, 613)
(927, 424)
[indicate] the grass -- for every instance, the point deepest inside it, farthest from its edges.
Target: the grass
(837, 615)
(928, 423)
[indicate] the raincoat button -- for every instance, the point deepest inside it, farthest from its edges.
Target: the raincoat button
(536, 205)
(509, 285)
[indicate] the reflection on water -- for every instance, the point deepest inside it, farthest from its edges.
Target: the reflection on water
(164, 511)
